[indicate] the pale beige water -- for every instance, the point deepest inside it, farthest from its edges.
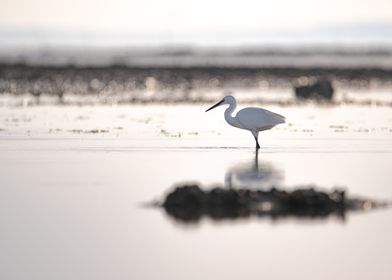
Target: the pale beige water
(70, 198)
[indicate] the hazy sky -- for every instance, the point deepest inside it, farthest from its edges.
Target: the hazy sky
(192, 16)
(182, 15)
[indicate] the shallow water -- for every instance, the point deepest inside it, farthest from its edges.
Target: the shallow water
(75, 181)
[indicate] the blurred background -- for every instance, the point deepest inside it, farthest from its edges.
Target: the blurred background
(195, 51)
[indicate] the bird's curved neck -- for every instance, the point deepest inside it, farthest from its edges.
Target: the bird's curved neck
(228, 117)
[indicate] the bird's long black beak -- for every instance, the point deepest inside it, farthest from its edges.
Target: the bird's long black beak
(216, 105)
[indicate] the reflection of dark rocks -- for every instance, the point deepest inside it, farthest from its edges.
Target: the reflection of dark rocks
(321, 89)
(190, 203)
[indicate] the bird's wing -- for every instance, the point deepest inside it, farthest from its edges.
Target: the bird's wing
(258, 118)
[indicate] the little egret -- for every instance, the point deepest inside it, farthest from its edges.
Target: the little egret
(252, 119)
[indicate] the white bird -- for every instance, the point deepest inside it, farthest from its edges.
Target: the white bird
(250, 118)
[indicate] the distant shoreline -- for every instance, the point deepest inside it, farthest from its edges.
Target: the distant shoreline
(167, 73)
(262, 57)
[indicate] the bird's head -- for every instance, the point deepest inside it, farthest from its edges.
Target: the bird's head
(228, 99)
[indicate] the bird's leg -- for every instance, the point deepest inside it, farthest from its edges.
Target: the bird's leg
(257, 143)
(256, 136)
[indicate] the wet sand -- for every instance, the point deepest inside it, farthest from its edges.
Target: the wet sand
(75, 181)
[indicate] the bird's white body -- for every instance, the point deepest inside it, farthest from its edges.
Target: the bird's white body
(251, 118)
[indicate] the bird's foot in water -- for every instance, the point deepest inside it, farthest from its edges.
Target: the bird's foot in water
(257, 146)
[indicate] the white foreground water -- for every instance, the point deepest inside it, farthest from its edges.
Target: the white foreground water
(74, 181)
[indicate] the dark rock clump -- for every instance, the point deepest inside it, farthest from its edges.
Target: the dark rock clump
(318, 90)
(189, 203)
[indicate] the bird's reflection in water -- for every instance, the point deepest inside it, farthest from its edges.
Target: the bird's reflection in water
(255, 174)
